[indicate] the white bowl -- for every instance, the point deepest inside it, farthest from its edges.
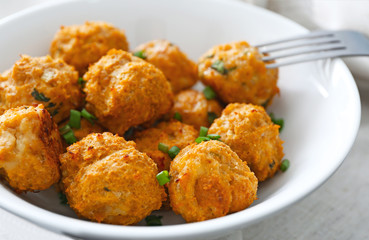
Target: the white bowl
(319, 102)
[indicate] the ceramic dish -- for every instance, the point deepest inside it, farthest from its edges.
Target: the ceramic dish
(319, 102)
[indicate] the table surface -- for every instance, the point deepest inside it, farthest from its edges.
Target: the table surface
(339, 209)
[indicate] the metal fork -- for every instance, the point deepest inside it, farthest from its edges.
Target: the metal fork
(314, 46)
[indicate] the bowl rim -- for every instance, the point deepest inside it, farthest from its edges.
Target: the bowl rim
(78, 227)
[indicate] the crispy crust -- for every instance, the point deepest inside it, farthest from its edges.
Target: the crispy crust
(179, 70)
(194, 108)
(208, 180)
(107, 180)
(247, 80)
(249, 131)
(172, 133)
(31, 77)
(30, 145)
(124, 91)
(82, 45)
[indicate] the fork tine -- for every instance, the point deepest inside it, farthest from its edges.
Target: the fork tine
(316, 34)
(318, 48)
(301, 59)
(318, 41)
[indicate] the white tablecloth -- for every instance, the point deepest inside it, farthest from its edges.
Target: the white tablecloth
(337, 210)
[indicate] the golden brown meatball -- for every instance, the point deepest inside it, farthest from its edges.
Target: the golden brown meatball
(86, 128)
(195, 109)
(82, 45)
(180, 71)
(237, 73)
(172, 133)
(107, 180)
(208, 180)
(124, 91)
(42, 80)
(249, 131)
(29, 148)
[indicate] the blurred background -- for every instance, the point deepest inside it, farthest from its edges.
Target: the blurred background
(337, 210)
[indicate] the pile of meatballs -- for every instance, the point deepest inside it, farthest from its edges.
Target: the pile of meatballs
(134, 102)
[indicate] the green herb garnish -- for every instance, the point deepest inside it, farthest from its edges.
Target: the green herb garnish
(63, 199)
(209, 93)
(75, 119)
(285, 165)
(153, 220)
(88, 116)
(140, 54)
(163, 177)
(163, 147)
(50, 105)
(201, 139)
(213, 136)
(53, 113)
(173, 152)
(218, 65)
(106, 189)
(65, 129)
(278, 121)
(211, 117)
(69, 137)
(39, 96)
(81, 82)
(203, 131)
(177, 116)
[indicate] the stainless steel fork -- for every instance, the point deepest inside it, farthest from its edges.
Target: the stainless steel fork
(314, 46)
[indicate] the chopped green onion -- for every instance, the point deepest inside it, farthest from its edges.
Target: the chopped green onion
(63, 199)
(211, 117)
(81, 82)
(231, 69)
(88, 116)
(140, 54)
(163, 147)
(65, 129)
(203, 131)
(218, 65)
(39, 96)
(173, 151)
(53, 113)
(209, 93)
(278, 121)
(153, 220)
(163, 177)
(271, 165)
(213, 136)
(75, 119)
(265, 104)
(285, 165)
(50, 105)
(200, 139)
(177, 116)
(69, 137)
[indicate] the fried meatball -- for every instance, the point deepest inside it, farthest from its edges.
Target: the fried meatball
(237, 74)
(172, 133)
(30, 145)
(42, 80)
(249, 131)
(208, 180)
(195, 109)
(124, 91)
(180, 71)
(86, 128)
(82, 45)
(107, 180)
